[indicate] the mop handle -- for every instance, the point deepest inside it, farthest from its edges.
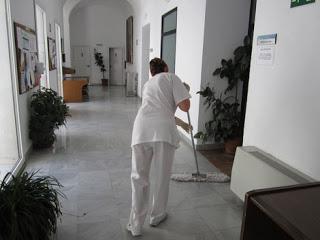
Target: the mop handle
(193, 145)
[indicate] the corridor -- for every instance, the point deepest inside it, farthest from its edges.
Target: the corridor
(92, 159)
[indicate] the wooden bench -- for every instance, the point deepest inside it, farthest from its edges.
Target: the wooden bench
(73, 89)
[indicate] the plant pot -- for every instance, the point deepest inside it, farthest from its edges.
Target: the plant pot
(230, 145)
(104, 82)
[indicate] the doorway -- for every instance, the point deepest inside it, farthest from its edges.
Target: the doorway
(41, 23)
(116, 66)
(59, 59)
(81, 58)
(145, 54)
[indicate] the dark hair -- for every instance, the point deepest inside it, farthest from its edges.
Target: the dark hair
(157, 65)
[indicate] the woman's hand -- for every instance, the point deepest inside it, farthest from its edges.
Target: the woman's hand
(185, 126)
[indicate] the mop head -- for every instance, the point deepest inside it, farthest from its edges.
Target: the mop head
(207, 177)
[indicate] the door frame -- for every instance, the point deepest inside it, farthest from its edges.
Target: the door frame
(171, 32)
(57, 29)
(122, 65)
(145, 64)
(45, 36)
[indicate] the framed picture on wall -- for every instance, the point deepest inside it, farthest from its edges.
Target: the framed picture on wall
(52, 54)
(129, 40)
(27, 57)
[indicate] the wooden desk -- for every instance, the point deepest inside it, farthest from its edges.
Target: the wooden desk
(73, 90)
(282, 213)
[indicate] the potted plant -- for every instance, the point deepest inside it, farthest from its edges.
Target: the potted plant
(100, 63)
(29, 206)
(48, 113)
(227, 122)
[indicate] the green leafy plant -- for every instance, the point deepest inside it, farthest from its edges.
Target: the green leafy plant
(227, 122)
(226, 117)
(29, 206)
(100, 62)
(48, 113)
(238, 68)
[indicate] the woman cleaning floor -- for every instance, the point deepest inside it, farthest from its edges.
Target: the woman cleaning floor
(155, 138)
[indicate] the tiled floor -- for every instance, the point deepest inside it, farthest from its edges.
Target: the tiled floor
(92, 159)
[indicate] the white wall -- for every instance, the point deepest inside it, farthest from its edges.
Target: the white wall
(23, 12)
(226, 26)
(100, 22)
(190, 34)
(283, 112)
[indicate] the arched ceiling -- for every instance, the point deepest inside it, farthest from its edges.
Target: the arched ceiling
(70, 5)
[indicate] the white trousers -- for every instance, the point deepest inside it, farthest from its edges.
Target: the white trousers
(162, 154)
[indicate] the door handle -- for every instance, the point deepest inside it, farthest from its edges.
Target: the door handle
(88, 65)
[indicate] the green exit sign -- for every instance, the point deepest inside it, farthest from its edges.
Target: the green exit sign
(297, 3)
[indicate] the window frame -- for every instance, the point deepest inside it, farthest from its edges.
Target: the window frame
(171, 32)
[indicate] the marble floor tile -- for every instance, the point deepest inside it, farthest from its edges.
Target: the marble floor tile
(229, 234)
(220, 217)
(92, 160)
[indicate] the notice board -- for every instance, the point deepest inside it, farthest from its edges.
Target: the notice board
(26, 57)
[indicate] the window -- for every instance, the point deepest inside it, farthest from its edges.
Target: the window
(41, 21)
(168, 39)
(10, 154)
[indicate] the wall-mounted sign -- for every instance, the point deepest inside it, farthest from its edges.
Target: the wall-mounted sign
(297, 3)
(266, 49)
(270, 39)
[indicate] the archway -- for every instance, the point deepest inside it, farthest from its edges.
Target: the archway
(68, 8)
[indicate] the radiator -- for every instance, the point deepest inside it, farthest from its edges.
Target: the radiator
(254, 169)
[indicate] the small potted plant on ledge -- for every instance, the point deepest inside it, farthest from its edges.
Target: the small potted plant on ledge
(100, 63)
(227, 121)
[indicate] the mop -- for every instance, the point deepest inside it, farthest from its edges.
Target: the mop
(216, 177)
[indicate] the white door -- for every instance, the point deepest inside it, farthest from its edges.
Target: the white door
(59, 60)
(82, 60)
(145, 53)
(116, 66)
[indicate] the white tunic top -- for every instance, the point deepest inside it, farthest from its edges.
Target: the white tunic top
(155, 120)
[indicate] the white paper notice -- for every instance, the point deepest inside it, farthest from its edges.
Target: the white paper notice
(266, 55)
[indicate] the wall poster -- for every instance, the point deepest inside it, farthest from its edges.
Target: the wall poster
(52, 54)
(26, 56)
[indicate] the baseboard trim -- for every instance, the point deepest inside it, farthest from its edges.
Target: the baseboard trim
(22, 163)
(201, 147)
(211, 146)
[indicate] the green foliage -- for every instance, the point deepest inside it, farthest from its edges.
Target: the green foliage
(100, 62)
(238, 68)
(29, 207)
(226, 120)
(226, 117)
(48, 113)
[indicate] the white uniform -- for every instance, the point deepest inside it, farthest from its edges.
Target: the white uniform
(154, 137)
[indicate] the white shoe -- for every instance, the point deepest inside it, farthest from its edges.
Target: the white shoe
(155, 221)
(134, 232)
